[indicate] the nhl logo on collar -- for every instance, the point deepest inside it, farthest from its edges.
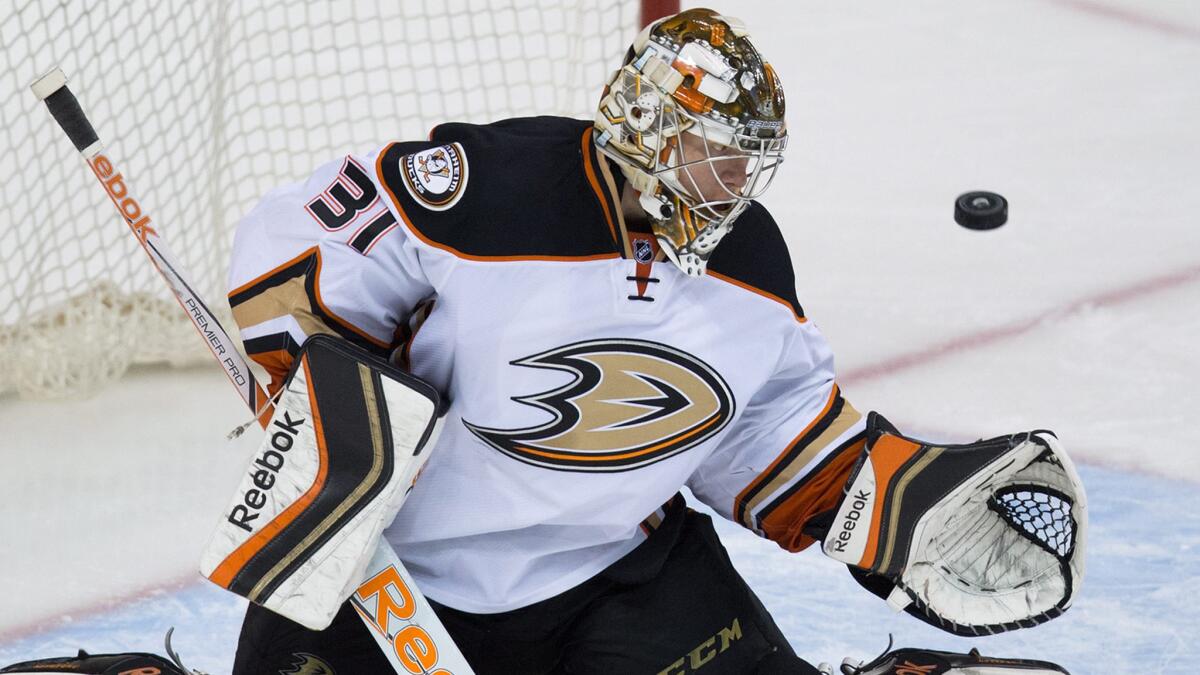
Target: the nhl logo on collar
(436, 178)
(643, 251)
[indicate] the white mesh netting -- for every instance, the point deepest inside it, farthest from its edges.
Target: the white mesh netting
(205, 106)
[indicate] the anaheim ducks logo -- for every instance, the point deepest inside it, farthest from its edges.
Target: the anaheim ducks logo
(631, 403)
(435, 165)
(436, 177)
(307, 664)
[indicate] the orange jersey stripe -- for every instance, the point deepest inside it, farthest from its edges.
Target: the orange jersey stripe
(821, 492)
(272, 272)
(748, 520)
(316, 272)
(277, 364)
(591, 176)
(769, 296)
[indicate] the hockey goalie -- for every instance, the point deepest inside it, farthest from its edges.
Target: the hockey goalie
(595, 314)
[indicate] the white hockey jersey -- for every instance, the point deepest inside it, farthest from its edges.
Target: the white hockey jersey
(588, 379)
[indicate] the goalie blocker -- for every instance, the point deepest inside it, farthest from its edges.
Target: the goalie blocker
(301, 529)
(975, 539)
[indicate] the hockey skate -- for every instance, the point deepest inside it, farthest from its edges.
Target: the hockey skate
(931, 662)
(106, 664)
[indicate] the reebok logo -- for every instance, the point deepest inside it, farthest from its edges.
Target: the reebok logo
(850, 521)
(114, 185)
(850, 532)
(263, 472)
(386, 596)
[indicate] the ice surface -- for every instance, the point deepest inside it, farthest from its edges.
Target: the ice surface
(1135, 613)
(1080, 315)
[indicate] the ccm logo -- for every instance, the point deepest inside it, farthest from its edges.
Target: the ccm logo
(414, 646)
(114, 185)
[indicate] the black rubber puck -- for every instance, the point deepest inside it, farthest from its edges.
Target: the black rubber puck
(981, 210)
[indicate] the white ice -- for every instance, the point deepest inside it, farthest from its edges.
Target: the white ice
(1081, 315)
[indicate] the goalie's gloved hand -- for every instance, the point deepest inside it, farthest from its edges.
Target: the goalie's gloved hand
(930, 662)
(975, 539)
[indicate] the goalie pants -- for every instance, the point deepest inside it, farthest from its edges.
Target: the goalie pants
(673, 606)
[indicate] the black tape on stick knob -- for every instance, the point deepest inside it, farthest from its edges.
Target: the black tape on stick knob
(70, 117)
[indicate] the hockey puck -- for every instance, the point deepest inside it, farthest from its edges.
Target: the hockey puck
(980, 210)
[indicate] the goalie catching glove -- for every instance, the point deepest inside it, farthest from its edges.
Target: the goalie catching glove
(341, 451)
(976, 539)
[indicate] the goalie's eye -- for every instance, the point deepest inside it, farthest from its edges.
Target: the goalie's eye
(1043, 516)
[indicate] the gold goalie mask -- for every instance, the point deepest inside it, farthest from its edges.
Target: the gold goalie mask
(695, 120)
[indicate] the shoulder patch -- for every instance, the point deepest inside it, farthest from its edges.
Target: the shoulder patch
(437, 177)
(525, 195)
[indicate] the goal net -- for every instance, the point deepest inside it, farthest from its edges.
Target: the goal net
(208, 105)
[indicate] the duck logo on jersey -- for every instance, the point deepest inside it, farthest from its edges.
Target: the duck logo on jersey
(631, 403)
(437, 177)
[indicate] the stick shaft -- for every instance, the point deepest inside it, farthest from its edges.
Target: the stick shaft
(66, 110)
(399, 651)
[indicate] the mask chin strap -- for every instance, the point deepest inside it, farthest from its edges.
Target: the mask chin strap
(692, 257)
(660, 208)
(688, 263)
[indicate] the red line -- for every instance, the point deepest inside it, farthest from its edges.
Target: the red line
(995, 334)
(98, 608)
(1131, 18)
(1081, 456)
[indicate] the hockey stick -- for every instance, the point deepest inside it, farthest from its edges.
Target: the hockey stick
(403, 623)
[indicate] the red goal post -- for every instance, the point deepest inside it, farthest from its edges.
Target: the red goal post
(210, 105)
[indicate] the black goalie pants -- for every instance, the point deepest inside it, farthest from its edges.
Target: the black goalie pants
(673, 606)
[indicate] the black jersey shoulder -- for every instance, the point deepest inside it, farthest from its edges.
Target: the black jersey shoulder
(754, 253)
(528, 190)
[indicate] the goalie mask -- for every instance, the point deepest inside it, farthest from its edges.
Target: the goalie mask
(694, 118)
